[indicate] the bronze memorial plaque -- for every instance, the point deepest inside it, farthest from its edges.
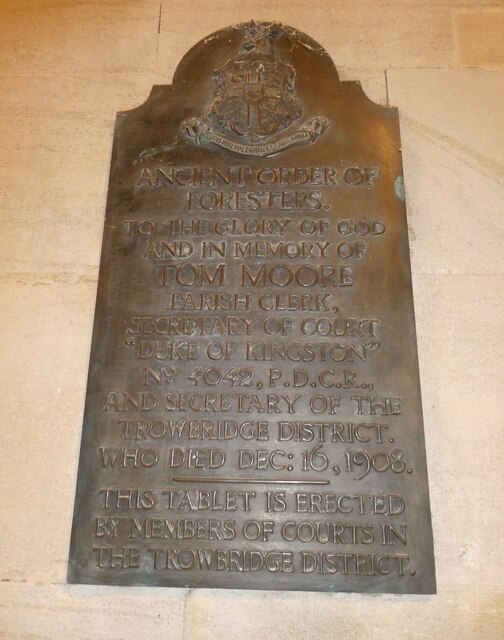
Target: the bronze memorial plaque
(253, 416)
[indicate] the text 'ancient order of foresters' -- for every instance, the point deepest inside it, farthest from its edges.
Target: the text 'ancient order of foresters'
(253, 416)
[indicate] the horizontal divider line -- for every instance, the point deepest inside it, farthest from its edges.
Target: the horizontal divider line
(244, 480)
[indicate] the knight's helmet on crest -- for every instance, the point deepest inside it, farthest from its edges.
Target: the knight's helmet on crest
(254, 94)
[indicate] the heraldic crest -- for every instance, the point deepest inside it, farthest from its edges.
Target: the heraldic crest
(255, 101)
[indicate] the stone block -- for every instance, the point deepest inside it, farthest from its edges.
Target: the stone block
(46, 335)
(452, 143)
(479, 35)
(61, 612)
(42, 37)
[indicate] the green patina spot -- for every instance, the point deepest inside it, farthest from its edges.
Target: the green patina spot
(399, 188)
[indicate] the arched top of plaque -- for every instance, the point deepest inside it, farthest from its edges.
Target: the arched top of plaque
(255, 90)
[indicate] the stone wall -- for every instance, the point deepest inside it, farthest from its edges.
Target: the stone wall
(67, 67)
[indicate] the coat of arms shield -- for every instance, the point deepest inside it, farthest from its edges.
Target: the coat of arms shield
(255, 97)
